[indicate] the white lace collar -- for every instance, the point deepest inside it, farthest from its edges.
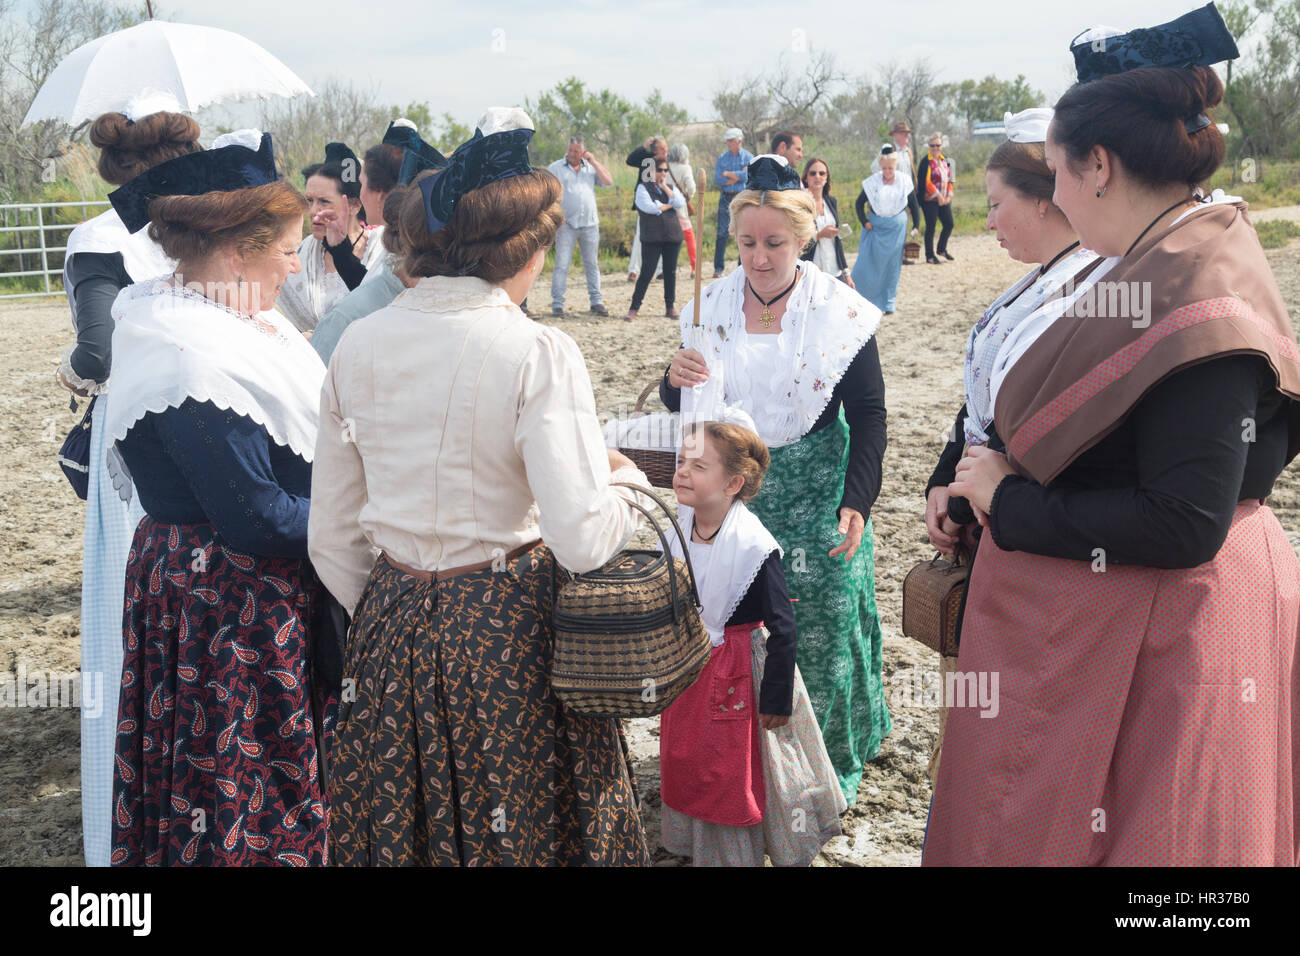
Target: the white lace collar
(171, 344)
(453, 294)
(728, 565)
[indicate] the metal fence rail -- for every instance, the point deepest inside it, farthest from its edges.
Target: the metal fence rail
(31, 232)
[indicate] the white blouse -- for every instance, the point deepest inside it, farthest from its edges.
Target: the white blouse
(452, 425)
(824, 251)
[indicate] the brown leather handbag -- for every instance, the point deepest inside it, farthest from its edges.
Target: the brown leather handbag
(932, 595)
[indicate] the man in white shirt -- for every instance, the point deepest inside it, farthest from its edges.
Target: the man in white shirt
(579, 173)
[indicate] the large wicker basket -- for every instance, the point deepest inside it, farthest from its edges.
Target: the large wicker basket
(628, 636)
(657, 465)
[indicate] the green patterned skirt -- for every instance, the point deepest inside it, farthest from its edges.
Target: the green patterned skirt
(839, 652)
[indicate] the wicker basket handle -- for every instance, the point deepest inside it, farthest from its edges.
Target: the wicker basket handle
(686, 552)
(645, 393)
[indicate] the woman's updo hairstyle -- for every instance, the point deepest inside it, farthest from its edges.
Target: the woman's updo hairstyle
(797, 204)
(1023, 168)
(392, 237)
(743, 452)
(383, 164)
(193, 227)
(493, 231)
(1142, 115)
(131, 147)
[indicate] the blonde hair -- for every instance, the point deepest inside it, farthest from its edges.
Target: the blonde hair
(888, 158)
(797, 205)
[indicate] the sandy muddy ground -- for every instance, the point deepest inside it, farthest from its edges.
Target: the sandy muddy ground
(920, 347)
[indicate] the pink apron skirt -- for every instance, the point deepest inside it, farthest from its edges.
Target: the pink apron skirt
(1145, 717)
(710, 764)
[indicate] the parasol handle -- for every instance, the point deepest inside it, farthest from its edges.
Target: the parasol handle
(700, 182)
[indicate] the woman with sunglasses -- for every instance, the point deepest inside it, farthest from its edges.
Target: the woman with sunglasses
(826, 250)
(934, 186)
(661, 237)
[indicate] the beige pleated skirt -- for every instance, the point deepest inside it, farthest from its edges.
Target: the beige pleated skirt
(803, 797)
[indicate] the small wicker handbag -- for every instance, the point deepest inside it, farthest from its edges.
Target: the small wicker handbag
(932, 594)
(628, 636)
(912, 250)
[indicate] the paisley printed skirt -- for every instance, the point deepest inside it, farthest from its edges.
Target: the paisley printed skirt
(451, 749)
(217, 751)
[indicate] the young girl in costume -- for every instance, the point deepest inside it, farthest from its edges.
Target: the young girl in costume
(744, 769)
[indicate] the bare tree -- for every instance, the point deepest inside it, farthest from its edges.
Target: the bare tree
(783, 98)
(907, 91)
(30, 48)
(339, 112)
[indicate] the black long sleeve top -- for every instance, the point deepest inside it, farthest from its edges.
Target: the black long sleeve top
(768, 600)
(95, 279)
(350, 268)
(861, 207)
(959, 509)
(198, 462)
(861, 392)
(1160, 490)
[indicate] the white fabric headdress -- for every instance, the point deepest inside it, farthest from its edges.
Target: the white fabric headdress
(1027, 126)
(248, 138)
(502, 119)
(172, 344)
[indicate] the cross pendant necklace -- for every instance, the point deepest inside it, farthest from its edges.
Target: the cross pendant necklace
(766, 318)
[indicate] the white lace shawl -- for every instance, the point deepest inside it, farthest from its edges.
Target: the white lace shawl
(172, 344)
(725, 568)
(824, 327)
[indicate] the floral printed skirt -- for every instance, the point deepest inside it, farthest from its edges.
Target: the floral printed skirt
(451, 748)
(217, 749)
(840, 642)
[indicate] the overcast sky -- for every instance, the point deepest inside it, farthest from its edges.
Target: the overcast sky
(462, 57)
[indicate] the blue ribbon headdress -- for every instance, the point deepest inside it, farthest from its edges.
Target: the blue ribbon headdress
(772, 172)
(1198, 38)
(211, 170)
(417, 155)
(485, 158)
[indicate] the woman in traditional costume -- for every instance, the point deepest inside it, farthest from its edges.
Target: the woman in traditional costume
(455, 750)
(743, 768)
(102, 259)
(882, 206)
(796, 349)
(341, 250)
(1137, 599)
(1032, 229)
(212, 418)
(383, 283)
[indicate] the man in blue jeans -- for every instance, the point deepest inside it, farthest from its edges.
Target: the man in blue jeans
(730, 174)
(579, 173)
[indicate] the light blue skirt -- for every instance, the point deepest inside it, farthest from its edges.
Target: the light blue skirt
(880, 260)
(110, 523)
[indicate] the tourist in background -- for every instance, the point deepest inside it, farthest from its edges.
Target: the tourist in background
(643, 160)
(682, 178)
(579, 172)
(827, 250)
(729, 175)
(657, 205)
(934, 183)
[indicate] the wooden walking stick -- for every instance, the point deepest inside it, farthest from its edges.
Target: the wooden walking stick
(700, 182)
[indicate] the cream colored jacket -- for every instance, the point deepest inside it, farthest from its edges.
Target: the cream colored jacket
(452, 425)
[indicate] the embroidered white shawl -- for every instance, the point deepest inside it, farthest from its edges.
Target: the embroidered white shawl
(824, 327)
(171, 344)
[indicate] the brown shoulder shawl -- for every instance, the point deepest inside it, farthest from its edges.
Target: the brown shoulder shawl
(1201, 290)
